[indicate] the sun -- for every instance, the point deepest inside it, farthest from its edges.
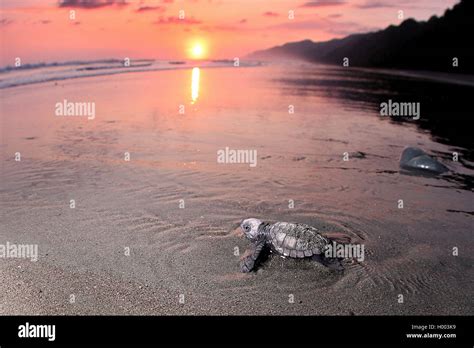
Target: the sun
(197, 51)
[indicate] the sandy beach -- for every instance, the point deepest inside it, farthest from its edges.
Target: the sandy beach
(155, 234)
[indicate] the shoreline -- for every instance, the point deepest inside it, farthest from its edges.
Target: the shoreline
(425, 75)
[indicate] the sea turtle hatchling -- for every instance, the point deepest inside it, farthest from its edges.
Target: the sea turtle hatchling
(292, 240)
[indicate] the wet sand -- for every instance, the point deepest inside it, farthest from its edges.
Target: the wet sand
(190, 251)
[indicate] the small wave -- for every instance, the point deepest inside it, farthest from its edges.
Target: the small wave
(58, 71)
(67, 63)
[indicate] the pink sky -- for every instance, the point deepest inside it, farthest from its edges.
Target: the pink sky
(41, 30)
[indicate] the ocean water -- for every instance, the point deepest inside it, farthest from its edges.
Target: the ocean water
(176, 206)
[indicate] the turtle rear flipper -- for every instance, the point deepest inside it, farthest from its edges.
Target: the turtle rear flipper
(334, 264)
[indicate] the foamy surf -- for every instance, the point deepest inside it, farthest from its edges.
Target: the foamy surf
(27, 74)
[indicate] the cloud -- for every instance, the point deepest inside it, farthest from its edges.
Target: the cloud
(5, 21)
(213, 28)
(150, 8)
(91, 4)
(374, 4)
(227, 27)
(176, 20)
(270, 14)
(323, 3)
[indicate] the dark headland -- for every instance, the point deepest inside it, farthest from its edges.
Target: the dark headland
(425, 45)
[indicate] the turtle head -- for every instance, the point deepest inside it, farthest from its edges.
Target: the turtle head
(250, 228)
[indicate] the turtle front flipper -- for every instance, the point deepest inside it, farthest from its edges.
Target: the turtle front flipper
(249, 263)
(334, 264)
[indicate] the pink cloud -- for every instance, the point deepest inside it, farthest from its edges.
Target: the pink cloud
(323, 3)
(375, 4)
(91, 4)
(176, 20)
(270, 14)
(219, 28)
(150, 8)
(5, 21)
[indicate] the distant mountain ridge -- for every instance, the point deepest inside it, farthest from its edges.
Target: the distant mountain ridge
(428, 45)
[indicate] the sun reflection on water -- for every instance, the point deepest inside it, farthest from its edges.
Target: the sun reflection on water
(195, 85)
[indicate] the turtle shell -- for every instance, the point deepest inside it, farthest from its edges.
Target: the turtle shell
(296, 240)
